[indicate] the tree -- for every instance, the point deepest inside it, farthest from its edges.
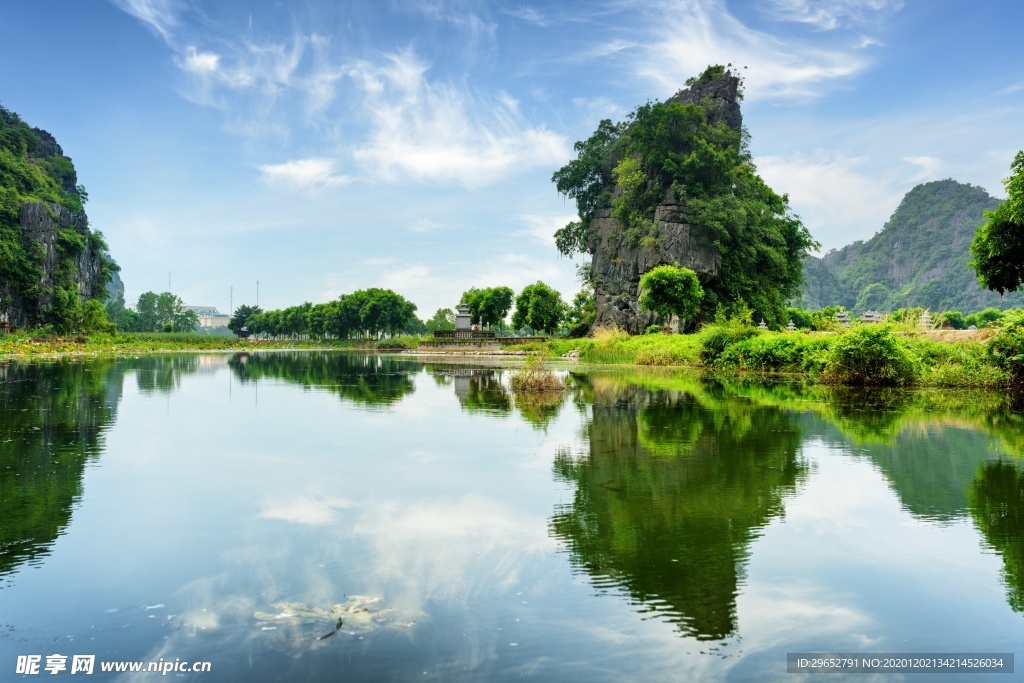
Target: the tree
(443, 319)
(488, 306)
(582, 311)
(539, 307)
(997, 249)
(671, 290)
(240, 317)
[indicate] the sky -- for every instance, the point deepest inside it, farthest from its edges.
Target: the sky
(319, 147)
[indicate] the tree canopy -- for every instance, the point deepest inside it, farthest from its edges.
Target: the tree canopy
(997, 250)
(366, 312)
(669, 148)
(540, 307)
(671, 290)
(490, 305)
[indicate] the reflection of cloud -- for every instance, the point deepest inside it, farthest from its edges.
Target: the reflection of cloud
(484, 543)
(315, 510)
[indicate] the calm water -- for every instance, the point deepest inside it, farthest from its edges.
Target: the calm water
(229, 508)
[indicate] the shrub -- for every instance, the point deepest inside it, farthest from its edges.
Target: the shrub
(656, 356)
(870, 355)
(397, 343)
(1007, 347)
(653, 329)
(764, 352)
(715, 338)
(534, 378)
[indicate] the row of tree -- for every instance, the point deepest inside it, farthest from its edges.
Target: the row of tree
(376, 313)
(372, 312)
(154, 312)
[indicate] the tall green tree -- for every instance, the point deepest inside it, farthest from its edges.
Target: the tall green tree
(671, 290)
(239, 318)
(997, 249)
(540, 307)
(443, 319)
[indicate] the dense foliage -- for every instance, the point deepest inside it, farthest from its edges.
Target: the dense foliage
(671, 290)
(32, 169)
(539, 307)
(998, 246)
(490, 305)
(918, 259)
(670, 149)
(365, 313)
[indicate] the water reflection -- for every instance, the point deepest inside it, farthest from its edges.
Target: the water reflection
(670, 492)
(997, 506)
(372, 381)
(52, 420)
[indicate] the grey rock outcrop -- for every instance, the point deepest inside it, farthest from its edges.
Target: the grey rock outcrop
(617, 266)
(42, 223)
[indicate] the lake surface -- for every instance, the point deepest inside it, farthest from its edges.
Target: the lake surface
(651, 527)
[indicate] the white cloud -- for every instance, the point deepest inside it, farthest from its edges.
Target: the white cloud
(529, 15)
(310, 174)
(439, 133)
(831, 14)
(929, 167)
(837, 201)
(200, 62)
(689, 35)
(159, 15)
(542, 227)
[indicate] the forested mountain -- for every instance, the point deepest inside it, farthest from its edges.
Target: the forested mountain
(918, 259)
(51, 262)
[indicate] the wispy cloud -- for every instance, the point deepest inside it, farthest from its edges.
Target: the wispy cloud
(160, 15)
(314, 174)
(529, 15)
(687, 36)
(437, 132)
(827, 15)
(542, 227)
(929, 167)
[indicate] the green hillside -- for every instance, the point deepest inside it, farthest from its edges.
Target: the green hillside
(918, 259)
(51, 262)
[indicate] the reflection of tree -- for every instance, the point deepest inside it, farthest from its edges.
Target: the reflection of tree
(162, 373)
(52, 417)
(671, 494)
(479, 390)
(997, 505)
(365, 379)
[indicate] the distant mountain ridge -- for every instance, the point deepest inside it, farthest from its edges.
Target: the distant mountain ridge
(918, 259)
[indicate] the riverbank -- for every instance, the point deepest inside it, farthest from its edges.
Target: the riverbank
(861, 355)
(13, 346)
(882, 355)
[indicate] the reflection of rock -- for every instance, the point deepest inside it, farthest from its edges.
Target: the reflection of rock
(997, 505)
(670, 496)
(52, 418)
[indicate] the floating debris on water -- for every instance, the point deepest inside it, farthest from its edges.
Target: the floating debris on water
(357, 614)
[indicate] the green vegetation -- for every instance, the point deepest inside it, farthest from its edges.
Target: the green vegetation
(920, 257)
(489, 306)
(540, 308)
(670, 150)
(671, 290)
(366, 313)
(534, 378)
(153, 313)
(998, 246)
(33, 169)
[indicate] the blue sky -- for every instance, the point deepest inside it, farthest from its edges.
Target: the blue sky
(321, 147)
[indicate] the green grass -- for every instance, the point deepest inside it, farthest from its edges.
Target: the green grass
(860, 355)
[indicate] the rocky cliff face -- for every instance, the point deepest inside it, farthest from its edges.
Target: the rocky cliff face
(617, 266)
(42, 224)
